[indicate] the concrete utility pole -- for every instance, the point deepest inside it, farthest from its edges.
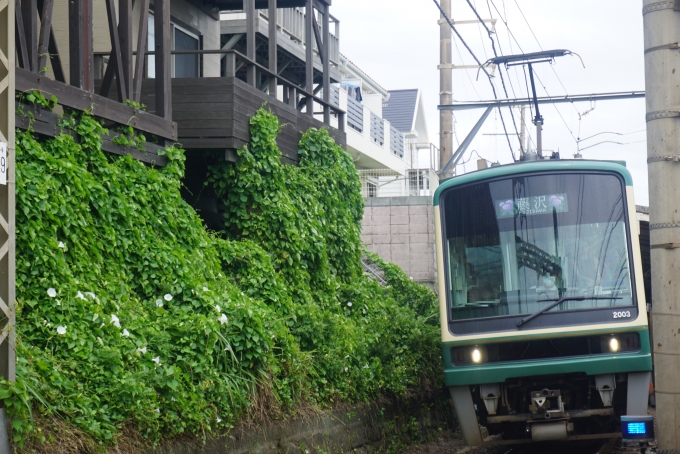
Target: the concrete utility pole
(445, 87)
(662, 77)
(7, 226)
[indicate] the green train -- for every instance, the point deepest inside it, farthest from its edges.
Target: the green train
(543, 315)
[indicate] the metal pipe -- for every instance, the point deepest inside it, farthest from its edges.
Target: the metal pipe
(453, 160)
(545, 100)
(445, 86)
(661, 27)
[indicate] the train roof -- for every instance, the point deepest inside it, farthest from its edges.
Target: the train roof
(535, 166)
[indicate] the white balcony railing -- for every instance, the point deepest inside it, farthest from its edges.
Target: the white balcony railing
(292, 23)
(389, 183)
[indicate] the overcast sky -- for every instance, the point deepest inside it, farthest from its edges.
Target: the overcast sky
(397, 43)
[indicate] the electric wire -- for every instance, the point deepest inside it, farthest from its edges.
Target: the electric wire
(481, 67)
(500, 72)
(541, 47)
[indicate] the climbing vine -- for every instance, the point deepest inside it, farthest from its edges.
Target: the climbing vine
(133, 315)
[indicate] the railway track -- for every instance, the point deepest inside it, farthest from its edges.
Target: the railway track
(611, 446)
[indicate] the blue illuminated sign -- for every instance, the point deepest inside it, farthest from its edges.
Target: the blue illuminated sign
(636, 428)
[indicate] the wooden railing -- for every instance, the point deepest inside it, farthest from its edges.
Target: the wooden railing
(294, 95)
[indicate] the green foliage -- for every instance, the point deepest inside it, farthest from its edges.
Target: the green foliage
(132, 313)
(134, 104)
(40, 100)
(129, 138)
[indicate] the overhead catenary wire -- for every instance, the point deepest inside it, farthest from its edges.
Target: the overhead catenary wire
(505, 22)
(482, 68)
(500, 72)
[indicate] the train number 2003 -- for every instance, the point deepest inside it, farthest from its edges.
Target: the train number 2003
(622, 314)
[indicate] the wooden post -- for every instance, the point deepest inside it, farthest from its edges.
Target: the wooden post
(116, 59)
(326, 63)
(7, 223)
(163, 48)
(22, 49)
(45, 29)
(29, 11)
(273, 44)
(80, 44)
(230, 59)
(142, 39)
(292, 97)
(125, 36)
(251, 38)
(309, 57)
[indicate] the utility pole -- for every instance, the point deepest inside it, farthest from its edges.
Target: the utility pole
(445, 86)
(7, 224)
(662, 33)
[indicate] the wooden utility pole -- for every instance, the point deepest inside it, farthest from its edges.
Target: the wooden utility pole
(7, 225)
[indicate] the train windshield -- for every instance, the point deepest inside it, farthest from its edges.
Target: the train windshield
(514, 246)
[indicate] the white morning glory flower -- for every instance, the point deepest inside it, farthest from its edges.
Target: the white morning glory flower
(125, 333)
(157, 410)
(51, 292)
(61, 330)
(142, 350)
(349, 304)
(80, 295)
(218, 308)
(62, 245)
(346, 369)
(159, 302)
(156, 360)
(91, 295)
(366, 366)
(224, 319)
(115, 320)
(219, 420)
(167, 297)
(206, 289)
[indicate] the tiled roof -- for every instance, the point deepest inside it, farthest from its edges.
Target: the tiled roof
(400, 109)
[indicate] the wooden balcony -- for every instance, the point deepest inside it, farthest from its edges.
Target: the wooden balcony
(214, 113)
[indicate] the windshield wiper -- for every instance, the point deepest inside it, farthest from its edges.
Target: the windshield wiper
(558, 301)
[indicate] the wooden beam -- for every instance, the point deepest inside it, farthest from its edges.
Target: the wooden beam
(317, 37)
(99, 106)
(116, 51)
(29, 11)
(326, 60)
(125, 37)
(163, 68)
(273, 48)
(45, 9)
(20, 36)
(251, 38)
(142, 39)
(309, 55)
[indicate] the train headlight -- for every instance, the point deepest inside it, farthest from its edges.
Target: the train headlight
(476, 356)
(614, 344)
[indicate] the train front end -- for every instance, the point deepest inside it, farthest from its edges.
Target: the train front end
(543, 313)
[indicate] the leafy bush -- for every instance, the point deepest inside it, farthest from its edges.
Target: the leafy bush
(132, 314)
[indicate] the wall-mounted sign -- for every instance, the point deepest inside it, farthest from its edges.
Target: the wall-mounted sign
(3, 163)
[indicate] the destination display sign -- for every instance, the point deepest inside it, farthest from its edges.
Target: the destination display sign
(529, 206)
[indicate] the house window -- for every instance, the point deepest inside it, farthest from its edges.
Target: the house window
(183, 65)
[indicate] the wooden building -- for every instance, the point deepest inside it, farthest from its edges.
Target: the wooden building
(199, 77)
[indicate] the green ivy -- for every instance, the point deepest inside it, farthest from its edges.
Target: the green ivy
(131, 313)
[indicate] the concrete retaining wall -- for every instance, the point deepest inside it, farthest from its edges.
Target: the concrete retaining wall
(362, 429)
(401, 230)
